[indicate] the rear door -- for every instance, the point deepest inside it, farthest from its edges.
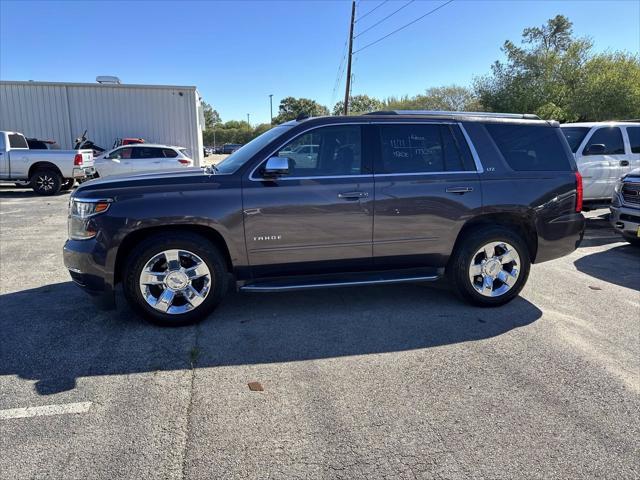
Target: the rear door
(145, 159)
(601, 169)
(426, 187)
(319, 217)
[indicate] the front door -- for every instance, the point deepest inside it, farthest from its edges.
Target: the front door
(317, 218)
(426, 187)
(600, 162)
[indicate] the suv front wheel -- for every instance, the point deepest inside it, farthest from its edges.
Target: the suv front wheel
(175, 279)
(490, 266)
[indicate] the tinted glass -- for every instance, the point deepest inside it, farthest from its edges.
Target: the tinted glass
(634, 138)
(169, 153)
(610, 137)
(17, 141)
(147, 152)
(530, 147)
(423, 149)
(325, 151)
(575, 136)
(124, 153)
(238, 158)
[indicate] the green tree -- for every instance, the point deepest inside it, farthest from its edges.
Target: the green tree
(211, 116)
(448, 98)
(358, 104)
(291, 107)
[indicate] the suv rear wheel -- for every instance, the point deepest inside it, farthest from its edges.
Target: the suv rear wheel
(46, 181)
(175, 279)
(490, 266)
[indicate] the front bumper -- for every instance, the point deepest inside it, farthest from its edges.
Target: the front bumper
(625, 220)
(85, 263)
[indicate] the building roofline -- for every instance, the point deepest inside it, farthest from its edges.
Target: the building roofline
(99, 85)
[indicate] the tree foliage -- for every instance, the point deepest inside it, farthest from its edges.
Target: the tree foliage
(211, 116)
(291, 107)
(233, 131)
(358, 104)
(451, 98)
(554, 75)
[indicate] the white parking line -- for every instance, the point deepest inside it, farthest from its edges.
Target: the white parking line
(45, 410)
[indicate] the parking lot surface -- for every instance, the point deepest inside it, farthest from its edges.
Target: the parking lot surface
(398, 382)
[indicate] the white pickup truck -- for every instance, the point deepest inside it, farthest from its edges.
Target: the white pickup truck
(46, 171)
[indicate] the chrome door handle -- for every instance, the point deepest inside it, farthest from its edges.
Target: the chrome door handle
(459, 190)
(352, 195)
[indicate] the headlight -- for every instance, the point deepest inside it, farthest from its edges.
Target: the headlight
(618, 186)
(80, 212)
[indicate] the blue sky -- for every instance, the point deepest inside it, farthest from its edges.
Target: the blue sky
(237, 53)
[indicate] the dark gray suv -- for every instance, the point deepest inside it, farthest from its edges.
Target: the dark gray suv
(387, 197)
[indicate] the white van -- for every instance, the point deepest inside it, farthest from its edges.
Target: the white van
(604, 152)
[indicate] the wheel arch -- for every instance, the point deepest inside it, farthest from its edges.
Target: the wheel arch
(132, 239)
(521, 224)
(42, 166)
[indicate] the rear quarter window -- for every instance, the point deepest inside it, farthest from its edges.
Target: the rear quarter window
(634, 139)
(531, 148)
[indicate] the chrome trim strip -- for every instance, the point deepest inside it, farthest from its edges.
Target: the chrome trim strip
(92, 200)
(266, 288)
(424, 173)
(309, 178)
(474, 153)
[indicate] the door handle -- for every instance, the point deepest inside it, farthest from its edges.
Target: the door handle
(624, 163)
(459, 190)
(352, 195)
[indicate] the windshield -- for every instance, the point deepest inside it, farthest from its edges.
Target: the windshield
(574, 136)
(238, 158)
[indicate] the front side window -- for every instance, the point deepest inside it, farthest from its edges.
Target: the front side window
(245, 153)
(575, 136)
(325, 151)
(425, 148)
(121, 153)
(610, 137)
(634, 139)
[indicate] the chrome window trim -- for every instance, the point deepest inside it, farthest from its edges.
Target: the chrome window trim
(474, 153)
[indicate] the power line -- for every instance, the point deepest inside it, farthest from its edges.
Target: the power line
(371, 11)
(403, 27)
(390, 15)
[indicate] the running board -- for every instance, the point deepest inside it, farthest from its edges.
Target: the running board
(351, 280)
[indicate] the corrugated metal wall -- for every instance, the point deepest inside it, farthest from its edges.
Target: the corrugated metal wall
(168, 115)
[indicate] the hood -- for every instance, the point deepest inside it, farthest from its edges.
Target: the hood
(635, 173)
(178, 179)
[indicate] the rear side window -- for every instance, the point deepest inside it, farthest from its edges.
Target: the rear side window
(610, 137)
(634, 138)
(17, 141)
(169, 153)
(147, 152)
(575, 136)
(425, 148)
(530, 148)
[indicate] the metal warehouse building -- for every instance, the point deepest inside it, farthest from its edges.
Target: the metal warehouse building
(169, 115)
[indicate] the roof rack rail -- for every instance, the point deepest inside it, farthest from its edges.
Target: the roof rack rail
(442, 113)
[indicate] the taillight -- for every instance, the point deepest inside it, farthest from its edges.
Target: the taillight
(184, 161)
(77, 160)
(579, 192)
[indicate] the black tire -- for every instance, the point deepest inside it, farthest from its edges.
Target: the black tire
(46, 181)
(460, 262)
(635, 241)
(156, 244)
(67, 184)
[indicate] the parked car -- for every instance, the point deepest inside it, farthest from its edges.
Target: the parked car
(303, 155)
(130, 159)
(230, 147)
(625, 207)
(604, 151)
(46, 171)
(393, 197)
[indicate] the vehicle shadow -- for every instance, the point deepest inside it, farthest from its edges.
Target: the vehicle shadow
(54, 335)
(599, 232)
(11, 191)
(617, 265)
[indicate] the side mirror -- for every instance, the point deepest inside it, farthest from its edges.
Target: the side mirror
(595, 149)
(276, 166)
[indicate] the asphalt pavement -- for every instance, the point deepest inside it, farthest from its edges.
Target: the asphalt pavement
(396, 382)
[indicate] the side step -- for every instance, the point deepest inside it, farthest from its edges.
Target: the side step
(342, 280)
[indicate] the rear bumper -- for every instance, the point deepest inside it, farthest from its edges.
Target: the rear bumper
(83, 172)
(625, 220)
(560, 236)
(83, 259)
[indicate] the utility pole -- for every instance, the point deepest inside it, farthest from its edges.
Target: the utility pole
(346, 93)
(271, 106)
(248, 122)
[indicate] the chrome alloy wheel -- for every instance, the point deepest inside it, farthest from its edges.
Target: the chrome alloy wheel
(494, 269)
(45, 182)
(175, 281)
